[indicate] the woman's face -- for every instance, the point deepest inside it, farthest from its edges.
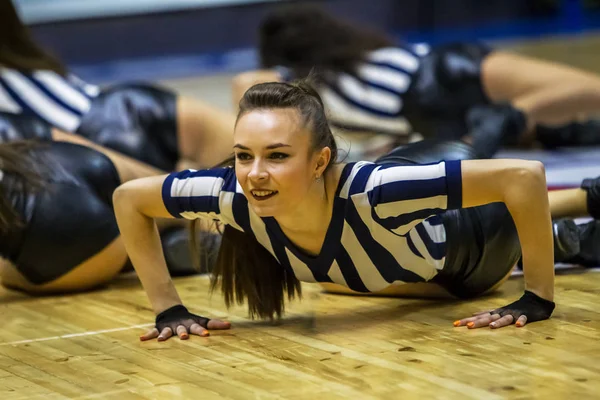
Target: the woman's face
(274, 162)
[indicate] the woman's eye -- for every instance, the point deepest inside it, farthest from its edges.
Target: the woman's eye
(278, 156)
(242, 156)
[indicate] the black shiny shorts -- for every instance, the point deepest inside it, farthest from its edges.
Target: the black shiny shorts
(138, 120)
(446, 85)
(68, 221)
(482, 245)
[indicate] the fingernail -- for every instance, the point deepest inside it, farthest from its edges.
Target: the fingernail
(493, 325)
(519, 324)
(471, 324)
(456, 323)
(205, 333)
(160, 339)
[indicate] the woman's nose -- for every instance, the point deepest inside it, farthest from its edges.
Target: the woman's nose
(258, 171)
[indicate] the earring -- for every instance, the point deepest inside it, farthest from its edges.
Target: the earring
(318, 179)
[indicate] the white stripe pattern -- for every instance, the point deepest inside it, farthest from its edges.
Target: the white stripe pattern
(395, 56)
(226, 207)
(369, 96)
(301, 270)
(341, 112)
(336, 274)
(395, 244)
(368, 272)
(7, 104)
(60, 101)
(368, 242)
(260, 232)
(39, 102)
(394, 80)
(197, 186)
(61, 89)
(410, 173)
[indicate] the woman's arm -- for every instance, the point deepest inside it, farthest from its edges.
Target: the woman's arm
(136, 204)
(521, 185)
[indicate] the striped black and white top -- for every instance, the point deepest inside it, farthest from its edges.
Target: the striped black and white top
(60, 101)
(372, 101)
(385, 225)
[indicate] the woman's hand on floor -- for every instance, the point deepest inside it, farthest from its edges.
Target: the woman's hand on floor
(178, 320)
(529, 308)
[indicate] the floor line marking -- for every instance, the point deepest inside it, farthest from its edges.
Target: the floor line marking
(72, 335)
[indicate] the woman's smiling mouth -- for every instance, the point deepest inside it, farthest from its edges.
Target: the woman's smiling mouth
(263, 194)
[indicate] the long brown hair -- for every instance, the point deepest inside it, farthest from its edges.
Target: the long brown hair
(18, 49)
(16, 161)
(307, 39)
(245, 270)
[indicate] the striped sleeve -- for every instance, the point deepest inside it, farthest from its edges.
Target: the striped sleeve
(197, 194)
(45, 94)
(402, 195)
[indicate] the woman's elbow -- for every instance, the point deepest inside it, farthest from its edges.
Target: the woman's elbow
(122, 196)
(529, 174)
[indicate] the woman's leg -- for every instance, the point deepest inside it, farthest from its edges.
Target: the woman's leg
(127, 167)
(205, 133)
(95, 271)
(548, 93)
(568, 203)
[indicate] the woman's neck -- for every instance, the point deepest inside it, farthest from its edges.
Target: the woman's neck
(307, 226)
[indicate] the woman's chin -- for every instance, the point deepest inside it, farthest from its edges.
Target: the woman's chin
(264, 210)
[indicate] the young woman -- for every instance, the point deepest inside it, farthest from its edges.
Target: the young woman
(371, 84)
(291, 213)
(148, 123)
(58, 231)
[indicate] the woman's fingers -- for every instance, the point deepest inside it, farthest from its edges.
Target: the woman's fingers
(197, 329)
(151, 334)
(506, 320)
(521, 321)
(165, 334)
(477, 314)
(184, 328)
(182, 332)
(218, 324)
(483, 320)
(467, 321)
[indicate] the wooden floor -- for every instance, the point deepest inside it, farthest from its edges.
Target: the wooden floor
(328, 347)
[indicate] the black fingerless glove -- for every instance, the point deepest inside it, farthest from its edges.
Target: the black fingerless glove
(492, 126)
(178, 315)
(592, 187)
(530, 305)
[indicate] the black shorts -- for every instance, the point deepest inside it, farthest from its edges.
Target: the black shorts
(482, 247)
(67, 222)
(446, 85)
(20, 127)
(138, 120)
(482, 244)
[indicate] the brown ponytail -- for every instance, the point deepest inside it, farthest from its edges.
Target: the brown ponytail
(245, 270)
